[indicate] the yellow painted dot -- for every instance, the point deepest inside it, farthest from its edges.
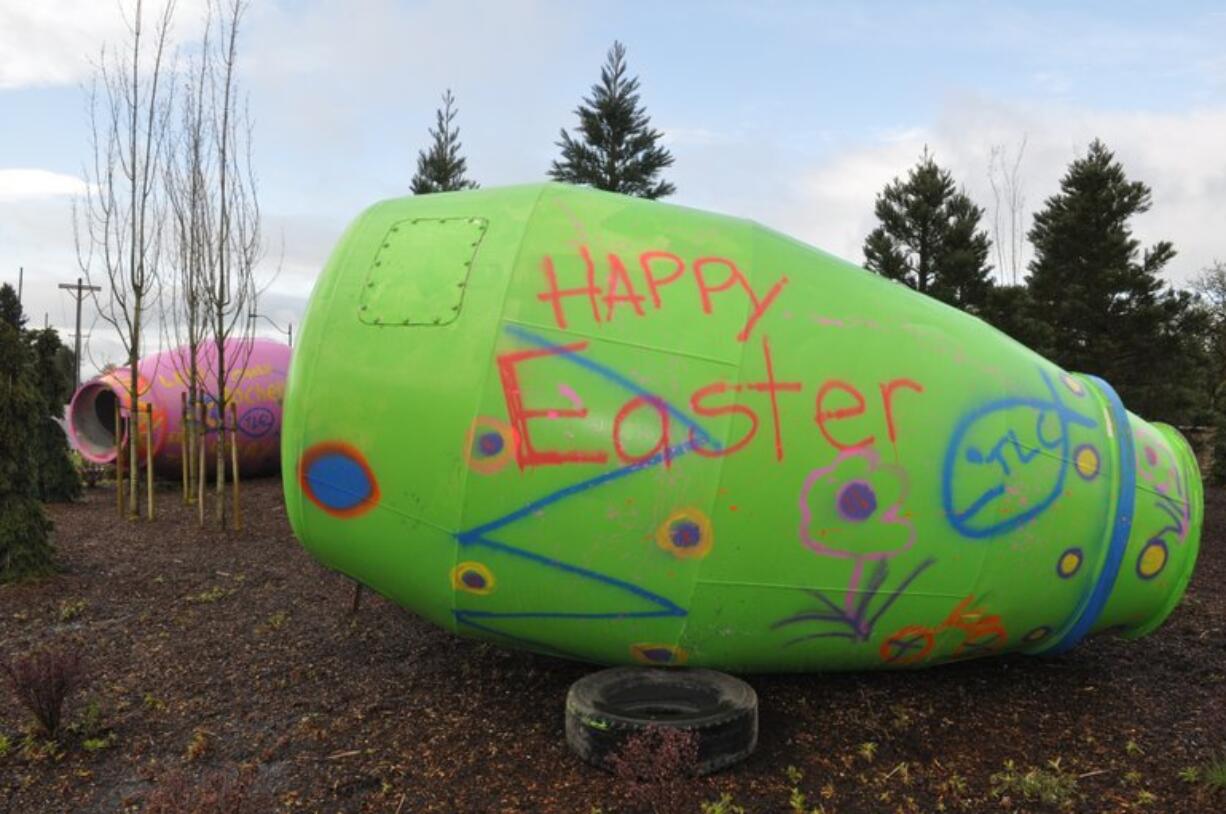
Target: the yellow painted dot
(1153, 560)
(1087, 462)
(1073, 385)
(1069, 563)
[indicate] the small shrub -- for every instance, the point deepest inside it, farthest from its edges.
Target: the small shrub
(1051, 786)
(5, 745)
(71, 610)
(211, 595)
(653, 765)
(217, 792)
(277, 620)
(90, 726)
(98, 744)
(1213, 774)
(43, 680)
(198, 745)
(723, 805)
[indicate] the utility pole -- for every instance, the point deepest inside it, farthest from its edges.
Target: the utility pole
(78, 292)
(253, 316)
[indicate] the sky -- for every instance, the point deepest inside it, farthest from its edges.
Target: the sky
(792, 114)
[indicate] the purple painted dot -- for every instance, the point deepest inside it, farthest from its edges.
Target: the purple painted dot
(659, 655)
(473, 579)
(685, 534)
(490, 443)
(857, 501)
(1151, 456)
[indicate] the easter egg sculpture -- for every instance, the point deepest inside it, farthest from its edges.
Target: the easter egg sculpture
(256, 384)
(634, 433)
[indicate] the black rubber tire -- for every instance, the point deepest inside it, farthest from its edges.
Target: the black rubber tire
(605, 708)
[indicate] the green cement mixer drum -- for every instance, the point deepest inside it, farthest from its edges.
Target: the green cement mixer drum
(629, 432)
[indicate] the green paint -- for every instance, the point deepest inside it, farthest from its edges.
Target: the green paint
(853, 475)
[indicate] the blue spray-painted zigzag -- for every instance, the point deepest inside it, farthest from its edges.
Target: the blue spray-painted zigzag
(654, 605)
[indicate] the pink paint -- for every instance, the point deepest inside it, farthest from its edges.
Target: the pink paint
(256, 385)
(890, 516)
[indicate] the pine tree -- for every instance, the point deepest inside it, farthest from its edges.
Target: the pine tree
(1100, 294)
(10, 307)
(929, 238)
(616, 147)
(25, 549)
(57, 476)
(441, 168)
(1217, 469)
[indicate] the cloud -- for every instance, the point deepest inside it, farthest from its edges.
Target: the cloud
(55, 42)
(23, 184)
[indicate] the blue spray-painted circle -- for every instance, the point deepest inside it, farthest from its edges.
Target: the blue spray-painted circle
(685, 534)
(857, 501)
(338, 481)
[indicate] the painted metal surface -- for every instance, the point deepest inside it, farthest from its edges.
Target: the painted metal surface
(257, 386)
(629, 432)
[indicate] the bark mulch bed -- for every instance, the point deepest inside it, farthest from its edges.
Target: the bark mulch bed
(209, 656)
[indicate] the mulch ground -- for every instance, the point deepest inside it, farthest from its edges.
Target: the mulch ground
(209, 654)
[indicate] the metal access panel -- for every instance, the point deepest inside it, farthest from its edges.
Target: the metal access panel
(420, 272)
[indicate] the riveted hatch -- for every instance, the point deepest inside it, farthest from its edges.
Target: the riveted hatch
(420, 272)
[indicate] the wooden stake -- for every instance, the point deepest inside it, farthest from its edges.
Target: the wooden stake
(238, 517)
(119, 462)
(149, 454)
(357, 596)
(134, 465)
(200, 432)
(183, 446)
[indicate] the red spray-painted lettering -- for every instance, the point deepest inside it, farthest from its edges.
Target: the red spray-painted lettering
(620, 289)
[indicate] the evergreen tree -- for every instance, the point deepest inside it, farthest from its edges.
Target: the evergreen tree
(1100, 294)
(10, 307)
(929, 238)
(1210, 284)
(57, 476)
(441, 168)
(25, 549)
(615, 148)
(1010, 309)
(1217, 469)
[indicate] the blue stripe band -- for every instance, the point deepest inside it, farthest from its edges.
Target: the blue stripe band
(1096, 600)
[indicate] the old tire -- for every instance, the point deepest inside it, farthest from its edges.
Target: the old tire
(605, 708)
